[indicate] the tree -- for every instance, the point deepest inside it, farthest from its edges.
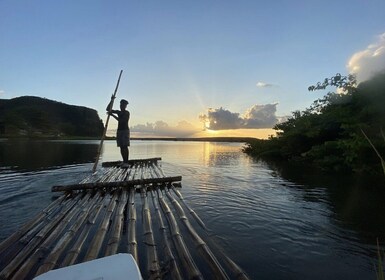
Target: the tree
(328, 133)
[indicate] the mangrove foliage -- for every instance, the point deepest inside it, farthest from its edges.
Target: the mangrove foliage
(333, 132)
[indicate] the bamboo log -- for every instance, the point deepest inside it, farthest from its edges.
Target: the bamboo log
(203, 249)
(107, 176)
(191, 211)
(73, 253)
(159, 170)
(152, 256)
(30, 225)
(132, 244)
(34, 243)
(104, 177)
(135, 175)
(171, 260)
(97, 241)
(117, 174)
(130, 162)
(113, 242)
(44, 248)
(131, 183)
(239, 274)
(52, 259)
(151, 171)
(125, 174)
(184, 255)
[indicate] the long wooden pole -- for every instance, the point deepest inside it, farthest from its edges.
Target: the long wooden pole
(105, 127)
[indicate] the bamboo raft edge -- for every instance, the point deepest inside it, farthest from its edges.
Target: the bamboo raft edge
(120, 184)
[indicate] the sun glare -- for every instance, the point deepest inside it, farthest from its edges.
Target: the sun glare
(212, 132)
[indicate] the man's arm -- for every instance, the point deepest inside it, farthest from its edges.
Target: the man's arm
(109, 109)
(109, 106)
(113, 114)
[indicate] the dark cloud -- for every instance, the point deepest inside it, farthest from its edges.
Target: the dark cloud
(217, 119)
(258, 116)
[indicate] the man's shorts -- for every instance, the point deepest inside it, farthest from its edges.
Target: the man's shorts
(123, 138)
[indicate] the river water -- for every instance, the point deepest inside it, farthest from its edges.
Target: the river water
(275, 221)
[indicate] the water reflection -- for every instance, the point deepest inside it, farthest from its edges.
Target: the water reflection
(217, 154)
(355, 201)
(276, 221)
(32, 155)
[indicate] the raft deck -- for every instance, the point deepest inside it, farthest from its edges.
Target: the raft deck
(136, 210)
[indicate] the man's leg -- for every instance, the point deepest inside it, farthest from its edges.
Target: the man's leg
(124, 152)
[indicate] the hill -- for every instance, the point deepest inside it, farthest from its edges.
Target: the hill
(30, 116)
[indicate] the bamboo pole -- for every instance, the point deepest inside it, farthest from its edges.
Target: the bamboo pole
(113, 241)
(191, 211)
(118, 172)
(124, 174)
(105, 176)
(18, 246)
(236, 270)
(34, 243)
(52, 259)
(44, 248)
(97, 241)
(159, 170)
(203, 249)
(239, 274)
(105, 127)
(151, 171)
(31, 224)
(29, 239)
(171, 260)
(153, 269)
(76, 248)
(108, 177)
(184, 255)
(132, 244)
(131, 183)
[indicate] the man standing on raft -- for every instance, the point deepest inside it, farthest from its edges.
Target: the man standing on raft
(123, 132)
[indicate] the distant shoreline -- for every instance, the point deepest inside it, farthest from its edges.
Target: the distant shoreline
(197, 139)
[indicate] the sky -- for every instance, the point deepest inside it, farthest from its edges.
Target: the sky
(190, 68)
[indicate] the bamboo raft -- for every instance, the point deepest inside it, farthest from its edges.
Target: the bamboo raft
(99, 217)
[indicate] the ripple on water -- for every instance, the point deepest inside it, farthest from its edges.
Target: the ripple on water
(24, 194)
(272, 227)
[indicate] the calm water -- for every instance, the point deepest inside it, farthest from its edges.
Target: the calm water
(276, 222)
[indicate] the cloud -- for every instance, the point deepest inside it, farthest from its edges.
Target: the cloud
(162, 129)
(261, 116)
(218, 119)
(263, 84)
(370, 61)
(258, 116)
(2, 92)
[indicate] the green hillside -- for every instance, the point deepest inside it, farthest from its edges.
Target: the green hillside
(30, 116)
